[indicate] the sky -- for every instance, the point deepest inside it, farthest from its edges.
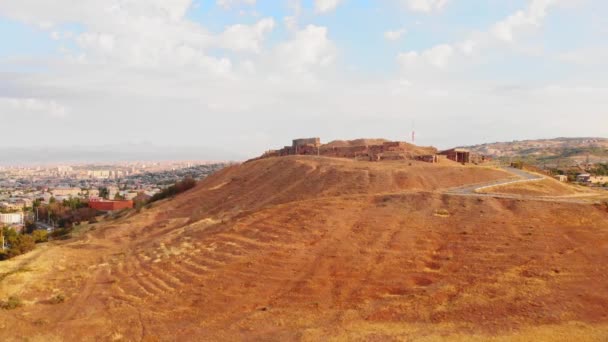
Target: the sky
(250, 75)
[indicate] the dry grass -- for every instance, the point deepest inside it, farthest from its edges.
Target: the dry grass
(321, 249)
(545, 187)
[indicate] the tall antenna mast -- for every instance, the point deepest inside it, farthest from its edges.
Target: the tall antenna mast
(413, 132)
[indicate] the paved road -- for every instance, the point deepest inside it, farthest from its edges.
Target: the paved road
(42, 225)
(519, 176)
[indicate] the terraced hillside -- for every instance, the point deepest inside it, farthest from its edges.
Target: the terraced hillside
(308, 248)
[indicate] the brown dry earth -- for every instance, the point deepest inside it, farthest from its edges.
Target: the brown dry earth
(312, 249)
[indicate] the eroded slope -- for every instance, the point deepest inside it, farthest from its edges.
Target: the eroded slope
(250, 254)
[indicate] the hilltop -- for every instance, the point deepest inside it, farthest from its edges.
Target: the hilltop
(316, 248)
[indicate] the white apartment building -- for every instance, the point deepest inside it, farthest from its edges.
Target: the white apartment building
(11, 219)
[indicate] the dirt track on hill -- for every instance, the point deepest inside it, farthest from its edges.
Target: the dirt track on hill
(317, 249)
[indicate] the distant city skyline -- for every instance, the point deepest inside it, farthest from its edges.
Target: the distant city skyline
(233, 78)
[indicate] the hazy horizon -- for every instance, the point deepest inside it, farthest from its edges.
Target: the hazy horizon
(244, 76)
(146, 151)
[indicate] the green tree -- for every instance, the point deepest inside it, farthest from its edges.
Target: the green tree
(16, 244)
(40, 236)
(179, 187)
(104, 192)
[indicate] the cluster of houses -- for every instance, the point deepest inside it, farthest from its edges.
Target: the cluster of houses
(14, 207)
(587, 178)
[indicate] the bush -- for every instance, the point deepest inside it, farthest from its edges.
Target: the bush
(442, 213)
(517, 165)
(179, 187)
(62, 233)
(20, 244)
(40, 236)
(11, 303)
(57, 299)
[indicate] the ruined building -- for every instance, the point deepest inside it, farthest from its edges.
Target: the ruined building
(463, 156)
(371, 150)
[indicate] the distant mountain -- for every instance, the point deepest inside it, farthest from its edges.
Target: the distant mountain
(565, 151)
(111, 153)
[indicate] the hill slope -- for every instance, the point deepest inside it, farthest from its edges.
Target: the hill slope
(301, 248)
(565, 151)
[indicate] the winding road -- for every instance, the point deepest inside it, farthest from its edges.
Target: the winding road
(519, 176)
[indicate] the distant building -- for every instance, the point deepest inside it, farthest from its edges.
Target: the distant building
(46, 197)
(99, 174)
(598, 179)
(128, 195)
(11, 219)
(10, 206)
(23, 202)
(92, 193)
(67, 192)
(562, 178)
(364, 150)
(458, 155)
(112, 191)
(583, 178)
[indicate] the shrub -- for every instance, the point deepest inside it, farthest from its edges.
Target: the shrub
(179, 187)
(62, 233)
(57, 299)
(40, 236)
(11, 303)
(20, 244)
(442, 213)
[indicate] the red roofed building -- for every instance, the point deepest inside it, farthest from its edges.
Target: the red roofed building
(104, 205)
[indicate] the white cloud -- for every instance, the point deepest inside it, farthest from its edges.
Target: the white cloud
(246, 38)
(50, 108)
(503, 31)
(325, 6)
(309, 48)
(521, 20)
(230, 4)
(426, 6)
(585, 56)
(145, 33)
(467, 47)
(145, 64)
(393, 35)
(437, 56)
(291, 21)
